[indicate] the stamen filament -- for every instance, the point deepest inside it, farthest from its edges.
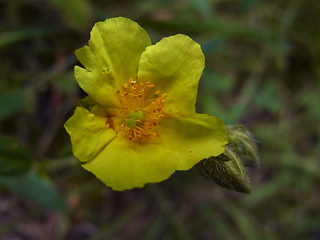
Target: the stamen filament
(140, 110)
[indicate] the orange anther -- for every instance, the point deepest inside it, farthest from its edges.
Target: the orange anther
(133, 99)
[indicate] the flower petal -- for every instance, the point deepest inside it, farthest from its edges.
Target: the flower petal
(193, 137)
(174, 65)
(183, 142)
(89, 133)
(112, 57)
(125, 165)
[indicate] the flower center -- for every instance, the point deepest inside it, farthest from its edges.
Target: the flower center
(141, 109)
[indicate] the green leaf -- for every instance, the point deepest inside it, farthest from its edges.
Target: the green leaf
(14, 36)
(268, 98)
(211, 46)
(246, 5)
(225, 29)
(11, 102)
(14, 158)
(310, 99)
(77, 13)
(31, 186)
(203, 7)
(214, 82)
(66, 83)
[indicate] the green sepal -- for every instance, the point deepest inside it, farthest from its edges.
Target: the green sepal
(245, 144)
(228, 169)
(87, 103)
(229, 174)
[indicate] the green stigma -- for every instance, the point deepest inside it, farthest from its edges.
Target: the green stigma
(134, 118)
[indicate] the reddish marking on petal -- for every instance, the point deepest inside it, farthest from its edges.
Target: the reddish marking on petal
(109, 121)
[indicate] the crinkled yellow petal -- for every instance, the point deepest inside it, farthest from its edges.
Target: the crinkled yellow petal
(183, 142)
(174, 65)
(193, 137)
(111, 57)
(125, 165)
(88, 133)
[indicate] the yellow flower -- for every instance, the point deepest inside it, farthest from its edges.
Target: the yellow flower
(138, 124)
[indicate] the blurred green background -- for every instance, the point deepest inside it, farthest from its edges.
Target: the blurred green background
(262, 70)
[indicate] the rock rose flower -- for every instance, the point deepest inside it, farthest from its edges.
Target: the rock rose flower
(138, 123)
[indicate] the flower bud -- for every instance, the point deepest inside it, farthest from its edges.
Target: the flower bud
(228, 169)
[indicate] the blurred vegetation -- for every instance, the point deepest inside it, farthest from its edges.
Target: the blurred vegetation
(262, 70)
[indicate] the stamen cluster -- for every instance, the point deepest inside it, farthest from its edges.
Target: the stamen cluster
(141, 108)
